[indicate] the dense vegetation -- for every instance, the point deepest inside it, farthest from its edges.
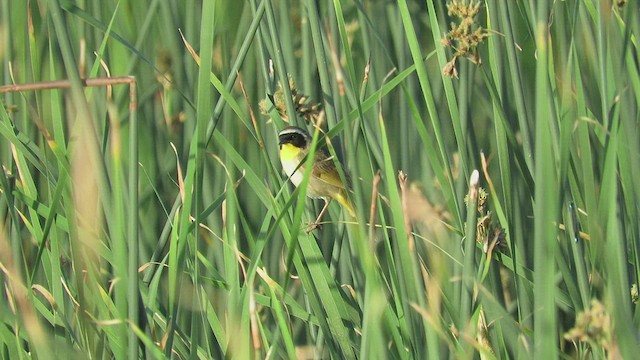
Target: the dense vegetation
(144, 213)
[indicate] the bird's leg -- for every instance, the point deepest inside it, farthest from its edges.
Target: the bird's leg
(317, 222)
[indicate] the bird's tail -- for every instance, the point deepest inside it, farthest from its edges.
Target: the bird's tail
(343, 199)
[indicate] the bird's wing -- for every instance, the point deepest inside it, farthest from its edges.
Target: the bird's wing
(325, 170)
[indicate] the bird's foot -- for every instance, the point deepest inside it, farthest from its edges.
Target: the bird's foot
(313, 226)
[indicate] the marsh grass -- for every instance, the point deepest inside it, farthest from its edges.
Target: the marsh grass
(153, 220)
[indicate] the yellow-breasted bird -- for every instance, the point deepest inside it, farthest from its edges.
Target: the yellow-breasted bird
(324, 180)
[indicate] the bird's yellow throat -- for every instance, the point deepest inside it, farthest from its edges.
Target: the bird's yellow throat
(289, 152)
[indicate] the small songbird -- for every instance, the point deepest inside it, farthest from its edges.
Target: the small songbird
(324, 180)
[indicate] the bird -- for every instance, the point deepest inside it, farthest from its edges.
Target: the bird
(324, 181)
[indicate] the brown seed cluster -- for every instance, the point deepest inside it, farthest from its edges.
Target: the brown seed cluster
(594, 326)
(464, 36)
(490, 235)
(311, 112)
